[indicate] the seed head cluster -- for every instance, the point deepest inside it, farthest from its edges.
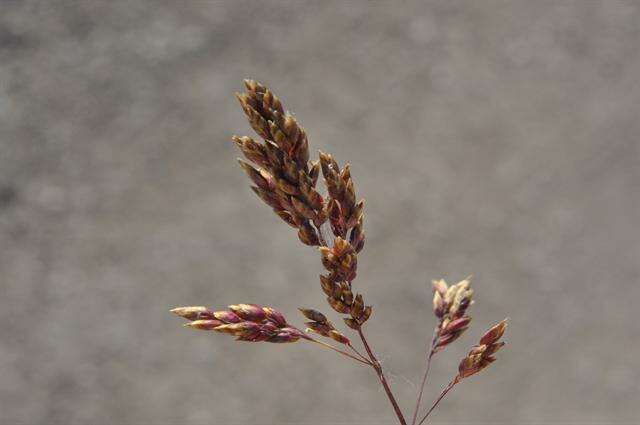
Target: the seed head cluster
(450, 304)
(281, 172)
(247, 322)
(345, 214)
(481, 355)
(318, 323)
(285, 179)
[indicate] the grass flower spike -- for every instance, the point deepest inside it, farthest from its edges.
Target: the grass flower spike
(330, 219)
(247, 322)
(481, 355)
(450, 304)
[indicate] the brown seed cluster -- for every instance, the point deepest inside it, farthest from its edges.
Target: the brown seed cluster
(341, 262)
(318, 323)
(345, 214)
(450, 304)
(284, 179)
(481, 355)
(282, 175)
(248, 322)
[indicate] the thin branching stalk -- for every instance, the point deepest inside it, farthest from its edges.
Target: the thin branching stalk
(337, 350)
(372, 358)
(378, 368)
(357, 352)
(440, 397)
(431, 350)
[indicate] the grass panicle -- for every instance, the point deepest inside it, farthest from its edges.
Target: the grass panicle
(284, 177)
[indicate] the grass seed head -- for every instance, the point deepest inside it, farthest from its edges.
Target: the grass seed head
(247, 322)
(481, 355)
(286, 179)
(450, 304)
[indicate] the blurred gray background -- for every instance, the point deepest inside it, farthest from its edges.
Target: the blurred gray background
(488, 137)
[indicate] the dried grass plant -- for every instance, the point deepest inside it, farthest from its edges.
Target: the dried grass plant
(285, 178)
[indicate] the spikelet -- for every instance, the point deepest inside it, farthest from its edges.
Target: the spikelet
(320, 325)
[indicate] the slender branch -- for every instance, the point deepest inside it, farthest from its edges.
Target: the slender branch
(357, 352)
(444, 393)
(337, 350)
(426, 373)
(378, 368)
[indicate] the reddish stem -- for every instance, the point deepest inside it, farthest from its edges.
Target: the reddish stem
(378, 368)
(337, 350)
(358, 353)
(374, 361)
(426, 373)
(444, 393)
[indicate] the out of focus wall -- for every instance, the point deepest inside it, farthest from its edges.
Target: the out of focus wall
(494, 138)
